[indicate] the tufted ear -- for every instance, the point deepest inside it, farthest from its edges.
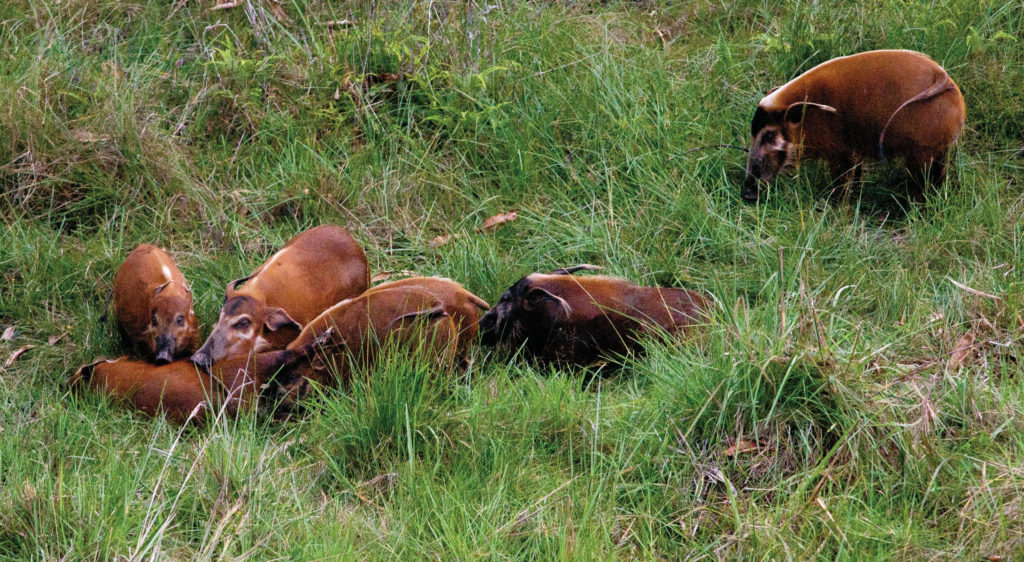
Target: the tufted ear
(795, 111)
(436, 312)
(277, 319)
(537, 296)
(575, 268)
(232, 287)
(160, 288)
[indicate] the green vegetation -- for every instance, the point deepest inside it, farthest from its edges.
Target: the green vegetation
(825, 412)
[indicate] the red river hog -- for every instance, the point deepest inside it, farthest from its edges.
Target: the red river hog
(153, 305)
(884, 105)
(266, 310)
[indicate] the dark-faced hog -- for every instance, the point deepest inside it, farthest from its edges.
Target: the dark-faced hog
(153, 305)
(889, 104)
(572, 320)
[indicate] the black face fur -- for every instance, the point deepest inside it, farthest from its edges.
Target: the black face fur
(521, 312)
(769, 151)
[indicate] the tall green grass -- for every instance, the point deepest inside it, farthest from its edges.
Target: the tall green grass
(824, 412)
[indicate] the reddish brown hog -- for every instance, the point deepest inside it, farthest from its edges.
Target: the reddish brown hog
(349, 338)
(569, 320)
(314, 270)
(463, 306)
(153, 305)
(891, 104)
(180, 390)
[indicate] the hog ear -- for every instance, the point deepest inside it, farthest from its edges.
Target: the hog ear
(795, 112)
(536, 296)
(772, 90)
(159, 288)
(436, 312)
(232, 287)
(84, 373)
(575, 268)
(277, 319)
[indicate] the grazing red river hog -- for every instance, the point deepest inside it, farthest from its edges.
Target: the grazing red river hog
(314, 270)
(881, 105)
(463, 306)
(153, 305)
(349, 337)
(569, 320)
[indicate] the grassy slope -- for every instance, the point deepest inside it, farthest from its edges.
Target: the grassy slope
(220, 134)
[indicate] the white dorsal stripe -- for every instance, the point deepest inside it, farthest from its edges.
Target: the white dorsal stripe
(771, 102)
(270, 262)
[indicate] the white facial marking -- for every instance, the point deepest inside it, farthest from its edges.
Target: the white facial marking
(261, 344)
(167, 272)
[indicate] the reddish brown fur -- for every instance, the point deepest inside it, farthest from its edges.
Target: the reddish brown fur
(348, 337)
(313, 271)
(180, 390)
(575, 320)
(889, 104)
(464, 307)
(153, 305)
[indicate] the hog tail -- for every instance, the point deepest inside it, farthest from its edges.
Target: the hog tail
(941, 84)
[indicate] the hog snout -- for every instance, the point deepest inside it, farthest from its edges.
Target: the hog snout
(751, 188)
(488, 328)
(165, 347)
(202, 358)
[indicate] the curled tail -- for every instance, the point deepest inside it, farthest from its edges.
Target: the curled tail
(941, 85)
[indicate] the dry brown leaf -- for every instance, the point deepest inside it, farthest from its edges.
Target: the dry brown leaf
(54, 339)
(962, 351)
(279, 13)
(81, 135)
(8, 334)
(741, 446)
(14, 356)
(492, 223)
(443, 239)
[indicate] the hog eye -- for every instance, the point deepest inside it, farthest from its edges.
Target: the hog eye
(243, 323)
(153, 319)
(769, 136)
(180, 321)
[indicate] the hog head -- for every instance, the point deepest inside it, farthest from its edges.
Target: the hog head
(172, 328)
(245, 325)
(775, 140)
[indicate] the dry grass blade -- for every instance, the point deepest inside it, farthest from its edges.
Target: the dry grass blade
(974, 291)
(227, 5)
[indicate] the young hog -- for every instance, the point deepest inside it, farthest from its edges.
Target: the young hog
(349, 337)
(879, 104)
(314, 270)
(153, 305)
(181, 390)
(464, 307)
(569, 320)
